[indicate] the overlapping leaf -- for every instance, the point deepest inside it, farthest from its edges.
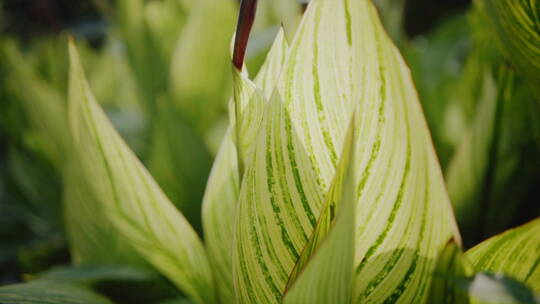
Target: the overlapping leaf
(130, 201)
(221, 196)
(501, 277)
(515, 253)
(324, 271)
(342, 60)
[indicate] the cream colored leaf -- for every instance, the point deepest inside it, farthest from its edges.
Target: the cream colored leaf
(325, 268)
(515, 253)
(130, 200)
(341, 61)
(221, 195)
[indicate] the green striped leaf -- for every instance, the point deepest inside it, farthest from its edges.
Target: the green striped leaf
(456, 281)
(330, 249)
(45, 292)
(249, 104)
(406, 215)
(250, 97)
(91, 239)
(341, 60)
(515, 253)
(221, 195)
(516, 24)
(131, 202)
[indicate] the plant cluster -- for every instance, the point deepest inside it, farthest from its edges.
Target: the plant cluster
(327, 185)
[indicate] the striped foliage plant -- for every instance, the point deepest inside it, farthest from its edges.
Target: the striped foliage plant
(326, 187)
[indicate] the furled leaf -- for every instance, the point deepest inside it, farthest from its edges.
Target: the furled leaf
(516, 24)
(324, 271)
(250, 97)
(131, 203)
(249, 104)
(452, 268)
(339, 61)
(221, 195)
(514, 253)
(44, 292)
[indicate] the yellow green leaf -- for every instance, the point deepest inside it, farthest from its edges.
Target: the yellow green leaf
(515, 253)
(131, 202)
(330, 249)
(342, 61)
(221, 195)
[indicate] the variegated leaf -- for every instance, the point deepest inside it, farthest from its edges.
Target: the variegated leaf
(405, 216)
(457, 281)
(131, 202)
(515, 253)
(91, 239)
(250, 96)
(221, 195)
(325, 267)
(341, 60)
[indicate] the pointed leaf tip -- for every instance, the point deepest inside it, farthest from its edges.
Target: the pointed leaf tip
(246, 18)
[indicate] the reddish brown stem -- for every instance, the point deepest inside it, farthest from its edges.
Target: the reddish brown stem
(246, 18)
